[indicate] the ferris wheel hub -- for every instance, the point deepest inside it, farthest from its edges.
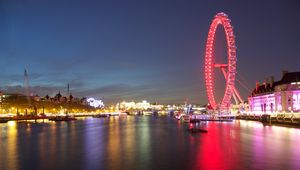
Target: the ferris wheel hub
(228, 69)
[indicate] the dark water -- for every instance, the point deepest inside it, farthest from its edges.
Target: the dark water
(147, 143)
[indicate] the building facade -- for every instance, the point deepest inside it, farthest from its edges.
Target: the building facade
(277, 97)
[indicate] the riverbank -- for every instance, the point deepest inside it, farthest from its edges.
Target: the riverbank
(278, 120)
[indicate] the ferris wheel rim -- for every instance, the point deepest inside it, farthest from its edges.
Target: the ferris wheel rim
(220, 19)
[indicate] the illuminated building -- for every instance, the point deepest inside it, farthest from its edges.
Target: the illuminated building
(95, 103)
(127, 105)
(277, 97)
(14, 103)
(144, 105)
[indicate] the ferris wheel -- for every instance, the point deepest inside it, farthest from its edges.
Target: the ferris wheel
(228, 69)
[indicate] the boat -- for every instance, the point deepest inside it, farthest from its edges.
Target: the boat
(185, 118)
(114, 113)
(100, 116)
(197, 130)
(147, 113)
(63, 118)
(4, 120)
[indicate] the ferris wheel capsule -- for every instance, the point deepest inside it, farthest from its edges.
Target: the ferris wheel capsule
(230, 72)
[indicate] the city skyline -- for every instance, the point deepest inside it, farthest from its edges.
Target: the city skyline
(140, 50)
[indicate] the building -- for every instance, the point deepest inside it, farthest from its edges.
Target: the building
(144, 105)
(281, 96)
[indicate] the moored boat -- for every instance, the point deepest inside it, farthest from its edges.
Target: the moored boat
(186, 118)
(63, 118)
(4, 120)
(100, 116)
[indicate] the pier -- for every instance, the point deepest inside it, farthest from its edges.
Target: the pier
(280, 118)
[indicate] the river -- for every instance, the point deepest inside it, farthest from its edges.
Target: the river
(147, 143)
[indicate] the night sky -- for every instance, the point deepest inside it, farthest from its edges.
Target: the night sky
(132, 50)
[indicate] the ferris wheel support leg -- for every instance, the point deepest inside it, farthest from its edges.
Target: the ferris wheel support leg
(235, 99)
(236, 94)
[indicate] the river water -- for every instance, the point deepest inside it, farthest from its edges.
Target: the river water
(147, 143)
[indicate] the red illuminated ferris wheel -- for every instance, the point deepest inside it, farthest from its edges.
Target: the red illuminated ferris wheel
(228, 69)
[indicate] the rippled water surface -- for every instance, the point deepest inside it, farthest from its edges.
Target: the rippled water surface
(147, 143)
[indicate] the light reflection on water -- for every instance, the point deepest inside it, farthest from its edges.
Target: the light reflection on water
(9, 136)
(147, 143)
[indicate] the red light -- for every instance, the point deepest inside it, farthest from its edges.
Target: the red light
(220, 18)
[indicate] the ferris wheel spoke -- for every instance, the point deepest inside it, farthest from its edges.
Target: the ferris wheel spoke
(228, 70)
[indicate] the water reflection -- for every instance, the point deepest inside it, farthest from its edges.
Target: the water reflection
(114, 144)
(9, 146)
(217, 149)
(147, 143)
(250, 145)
